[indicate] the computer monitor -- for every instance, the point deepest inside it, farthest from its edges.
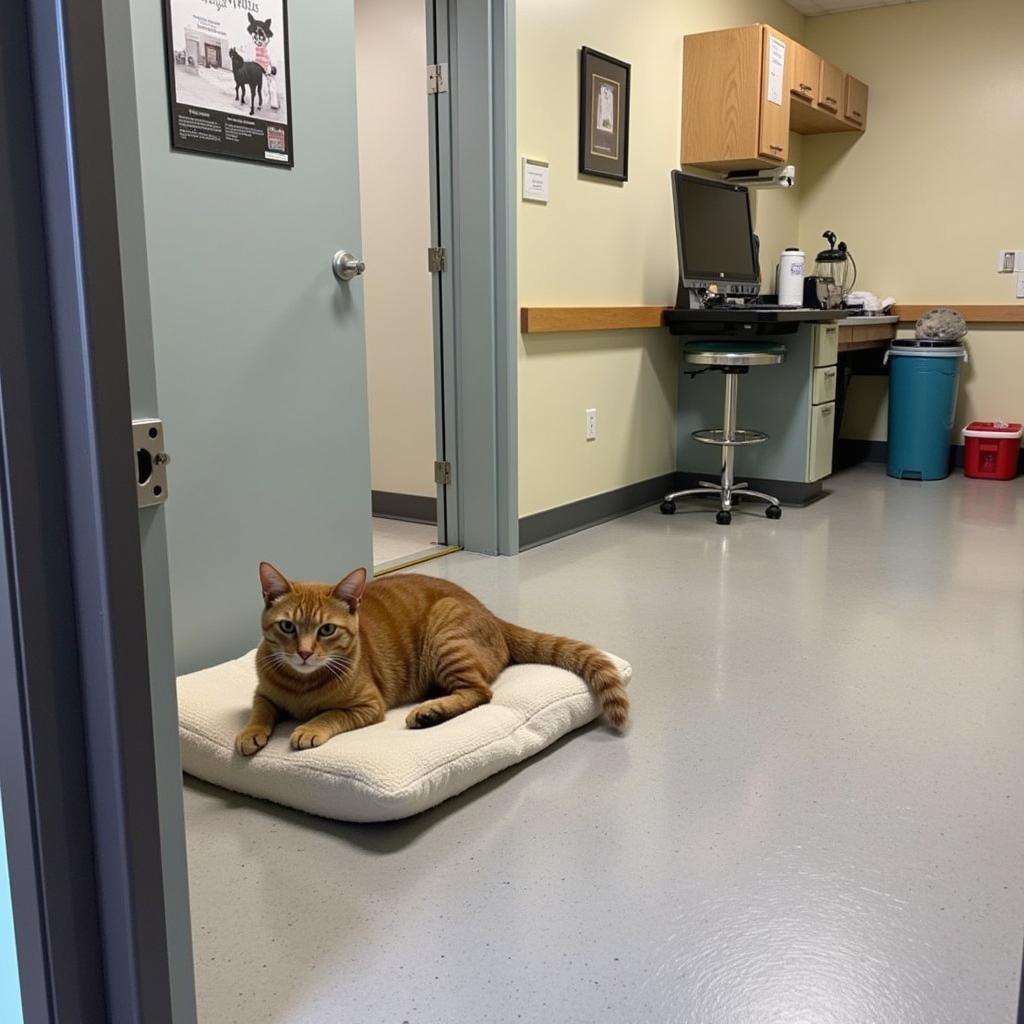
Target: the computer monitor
(716, 238)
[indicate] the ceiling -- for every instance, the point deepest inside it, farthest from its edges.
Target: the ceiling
(814, 7)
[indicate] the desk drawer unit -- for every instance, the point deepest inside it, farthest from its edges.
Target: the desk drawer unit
(819, 451)
(824, 386)
(826, 345)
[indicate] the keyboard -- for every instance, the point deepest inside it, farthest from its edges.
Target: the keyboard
(732, 307)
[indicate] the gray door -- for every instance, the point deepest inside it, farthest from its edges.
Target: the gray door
(252, 354)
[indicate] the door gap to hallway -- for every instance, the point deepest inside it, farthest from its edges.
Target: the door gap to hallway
(399, 179)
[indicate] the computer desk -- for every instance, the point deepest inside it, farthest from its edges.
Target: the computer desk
(863, 340)
(859, 345)
(799, 403)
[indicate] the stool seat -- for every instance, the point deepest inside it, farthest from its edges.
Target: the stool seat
(733, 353)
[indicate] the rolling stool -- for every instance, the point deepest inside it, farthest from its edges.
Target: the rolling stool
(732, 359)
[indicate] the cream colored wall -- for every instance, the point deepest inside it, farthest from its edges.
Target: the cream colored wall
(395, 199)
(600, 243)
(931, 191)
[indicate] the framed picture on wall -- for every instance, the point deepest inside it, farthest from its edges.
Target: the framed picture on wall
(604, 115)
(228, 78)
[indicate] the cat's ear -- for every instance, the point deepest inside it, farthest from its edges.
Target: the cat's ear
(266, 25)
(350, 589)
(252, 21)
(274, 583)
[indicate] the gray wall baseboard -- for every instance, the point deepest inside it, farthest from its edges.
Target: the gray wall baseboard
(553, 523)
(412, 508)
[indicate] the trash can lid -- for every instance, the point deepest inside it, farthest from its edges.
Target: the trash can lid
(993, 429)
(942, 350)
(929, 342)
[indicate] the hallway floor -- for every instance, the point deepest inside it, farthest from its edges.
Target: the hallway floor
(816, 818)
(395, 540)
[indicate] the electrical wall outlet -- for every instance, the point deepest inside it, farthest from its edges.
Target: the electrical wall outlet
(1020, 284)
(591, 432)
(1007, 262)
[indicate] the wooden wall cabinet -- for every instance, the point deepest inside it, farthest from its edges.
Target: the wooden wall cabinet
(732, 117)
(830, 91)
(736, 116)
(855, 101)
(805, 74)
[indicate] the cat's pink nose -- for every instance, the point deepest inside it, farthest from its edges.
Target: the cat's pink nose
(305, 655)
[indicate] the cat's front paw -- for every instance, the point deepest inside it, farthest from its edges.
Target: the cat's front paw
(307, 736)
(424, 716)
(251, 739)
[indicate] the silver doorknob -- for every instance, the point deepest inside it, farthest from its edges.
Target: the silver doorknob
(346, 266)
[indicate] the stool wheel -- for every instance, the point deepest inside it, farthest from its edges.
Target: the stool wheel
(668, 508)
(773, 512)
(723, 518)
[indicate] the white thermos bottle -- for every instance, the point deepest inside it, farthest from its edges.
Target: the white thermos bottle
(791, 277)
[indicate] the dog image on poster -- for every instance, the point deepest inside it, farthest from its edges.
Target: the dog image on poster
(229, 77)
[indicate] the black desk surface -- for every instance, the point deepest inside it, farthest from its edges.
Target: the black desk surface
(747, 320)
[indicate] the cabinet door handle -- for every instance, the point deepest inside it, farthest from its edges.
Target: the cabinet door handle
(826, 410)
(831, 99)
(777, 149)
(804, 87)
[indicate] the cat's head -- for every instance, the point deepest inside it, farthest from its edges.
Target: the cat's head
(236, 57)
(259, 30)
(309, 627)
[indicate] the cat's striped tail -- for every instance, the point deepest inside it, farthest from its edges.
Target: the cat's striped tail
(527, 647)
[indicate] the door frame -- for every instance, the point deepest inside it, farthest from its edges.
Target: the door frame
(87, 858)
(472, 139)
(79, 787)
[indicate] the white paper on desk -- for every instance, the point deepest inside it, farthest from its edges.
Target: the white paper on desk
(776, 70)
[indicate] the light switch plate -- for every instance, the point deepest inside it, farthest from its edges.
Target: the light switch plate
(1007, 261)
(1020, 284)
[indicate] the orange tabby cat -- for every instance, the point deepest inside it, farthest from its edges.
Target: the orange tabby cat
(337, 657)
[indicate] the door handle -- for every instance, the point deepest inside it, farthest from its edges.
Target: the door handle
(346, 266)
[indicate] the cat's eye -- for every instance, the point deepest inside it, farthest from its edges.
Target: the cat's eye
(327, 629)
(286, 626)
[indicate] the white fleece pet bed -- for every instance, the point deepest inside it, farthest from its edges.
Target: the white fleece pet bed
(384, 771)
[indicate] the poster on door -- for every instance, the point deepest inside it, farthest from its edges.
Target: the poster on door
(228, 78)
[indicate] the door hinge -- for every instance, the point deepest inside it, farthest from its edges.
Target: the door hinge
(437, 78)
(437, 259)
(442, 473)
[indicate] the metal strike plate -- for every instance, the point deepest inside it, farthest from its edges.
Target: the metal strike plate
(150, 462)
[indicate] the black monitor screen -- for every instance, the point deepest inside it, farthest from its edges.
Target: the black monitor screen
(716, 240)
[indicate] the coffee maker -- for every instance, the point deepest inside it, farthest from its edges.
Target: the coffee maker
(835, 272)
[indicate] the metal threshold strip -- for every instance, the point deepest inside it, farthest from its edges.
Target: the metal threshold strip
(408, 563)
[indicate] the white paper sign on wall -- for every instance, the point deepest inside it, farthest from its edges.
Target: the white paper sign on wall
(776, 69)
(535, 180)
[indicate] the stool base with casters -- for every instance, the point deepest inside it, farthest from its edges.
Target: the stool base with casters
(731, 359)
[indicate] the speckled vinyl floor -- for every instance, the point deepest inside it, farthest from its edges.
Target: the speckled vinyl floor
(394, 540)
(817, 817)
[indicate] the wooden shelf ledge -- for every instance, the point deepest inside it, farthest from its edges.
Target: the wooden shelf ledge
(569, 319)
(973, 314)
(564, 319)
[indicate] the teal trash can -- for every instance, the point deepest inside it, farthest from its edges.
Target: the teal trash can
(924, 376)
